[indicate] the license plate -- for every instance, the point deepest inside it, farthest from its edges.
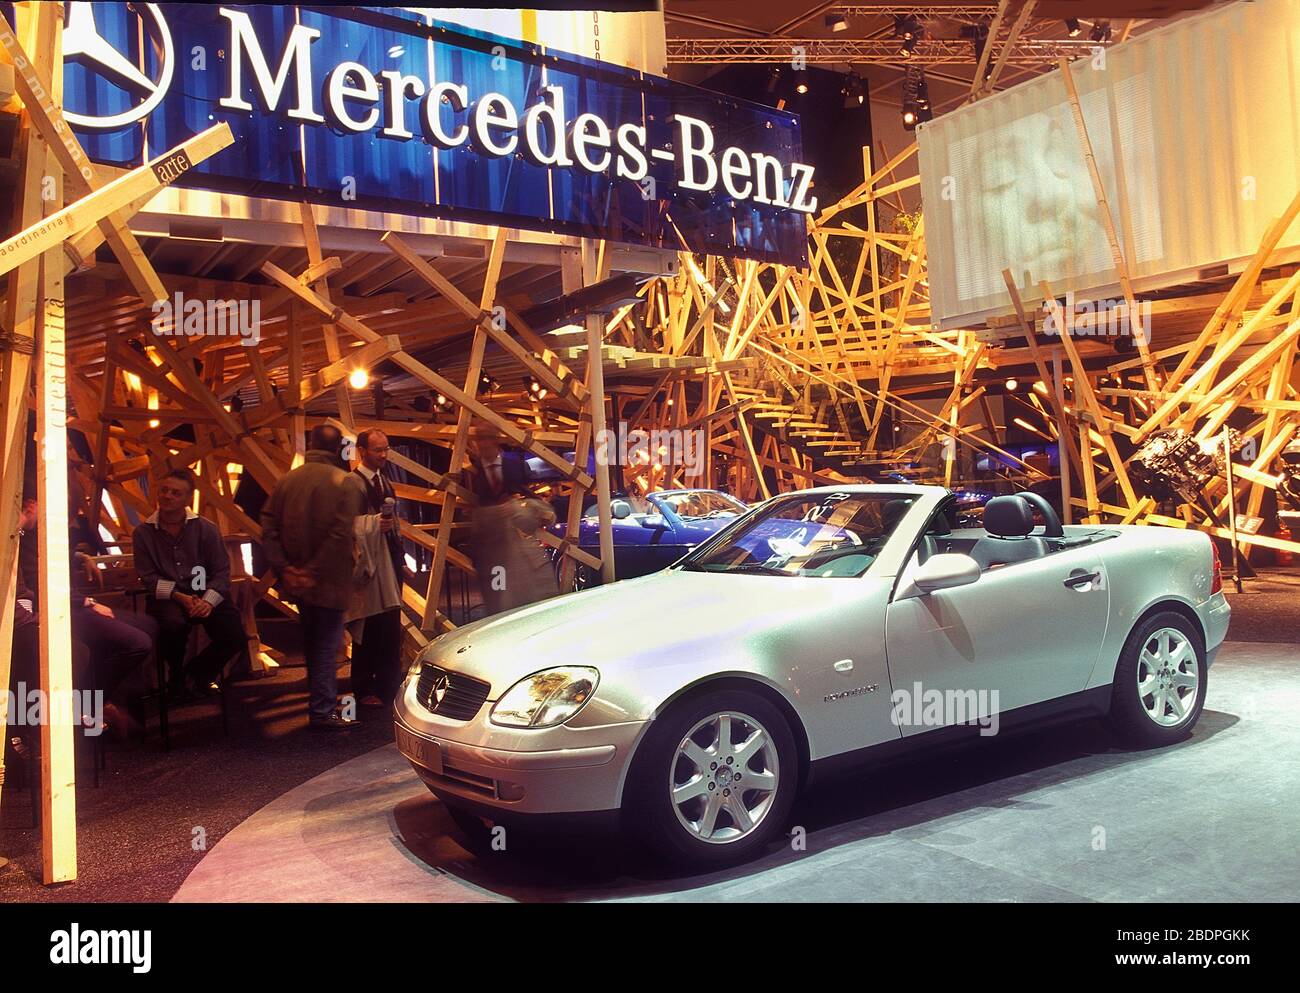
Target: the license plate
(422, 751)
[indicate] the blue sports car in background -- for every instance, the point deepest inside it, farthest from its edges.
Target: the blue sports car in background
(654, 531)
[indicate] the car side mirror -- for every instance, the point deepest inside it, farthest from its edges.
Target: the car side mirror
(620, 509)
(944, 571)
(654, 522)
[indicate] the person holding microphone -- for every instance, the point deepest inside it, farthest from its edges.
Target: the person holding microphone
(375, 616)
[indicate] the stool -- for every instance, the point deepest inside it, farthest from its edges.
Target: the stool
(191, 649)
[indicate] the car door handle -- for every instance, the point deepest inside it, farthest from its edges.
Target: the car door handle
(1084, 577)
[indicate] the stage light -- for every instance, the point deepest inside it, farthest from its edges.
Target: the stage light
(855, 94)
(359, 379)
(1072, 26)
(836, 22)
(1100, 31)
(1011, 385)
(801, 83)
(916, 98)
(773, 80)
(910, 30)
(440, 400)
(906, 26)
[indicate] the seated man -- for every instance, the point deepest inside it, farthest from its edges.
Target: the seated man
(118, 642)
(183, 563)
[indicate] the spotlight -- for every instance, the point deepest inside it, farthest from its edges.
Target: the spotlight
(1100, 31)
(1072, 26)
(440, 400)
(906, 26)
(837, 23)
(916, 98)
(855, 93)
(359, 379)
(801, 83)
(1012, 384)
(487, 384)
(909, 29)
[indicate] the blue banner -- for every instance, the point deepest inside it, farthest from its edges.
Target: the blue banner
(368, 108)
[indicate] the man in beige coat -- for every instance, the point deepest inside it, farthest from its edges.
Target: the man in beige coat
(375, 614)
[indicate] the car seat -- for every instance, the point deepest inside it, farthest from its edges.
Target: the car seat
(1008, 523)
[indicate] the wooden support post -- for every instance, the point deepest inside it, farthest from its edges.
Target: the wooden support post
(592, 273)
(1108, 221)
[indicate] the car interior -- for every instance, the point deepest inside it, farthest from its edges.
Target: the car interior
(1010, 533)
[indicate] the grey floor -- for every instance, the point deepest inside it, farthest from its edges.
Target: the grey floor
(1056, 815)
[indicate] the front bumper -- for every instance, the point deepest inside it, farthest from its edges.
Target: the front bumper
(558, 770)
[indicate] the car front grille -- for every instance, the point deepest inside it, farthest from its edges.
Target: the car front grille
(462, 695)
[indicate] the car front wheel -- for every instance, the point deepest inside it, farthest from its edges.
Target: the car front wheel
(1160, 681)
(715, 779)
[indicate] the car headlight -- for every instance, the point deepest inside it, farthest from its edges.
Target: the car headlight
(546, 698)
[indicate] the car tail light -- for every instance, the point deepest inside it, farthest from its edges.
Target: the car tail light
(1216, 583)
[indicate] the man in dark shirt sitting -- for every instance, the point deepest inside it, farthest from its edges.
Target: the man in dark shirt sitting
(183, 563)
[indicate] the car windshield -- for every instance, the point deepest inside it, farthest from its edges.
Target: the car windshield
(698, 504)
(835, 534)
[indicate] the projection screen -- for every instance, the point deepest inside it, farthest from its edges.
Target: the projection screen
(1005, 183)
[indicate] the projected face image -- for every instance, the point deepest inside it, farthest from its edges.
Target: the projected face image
(1025, 200)
(1034, 195)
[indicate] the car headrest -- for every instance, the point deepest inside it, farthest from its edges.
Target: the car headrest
(1008, 517)
(893, 512)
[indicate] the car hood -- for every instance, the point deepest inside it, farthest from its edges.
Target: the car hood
(668, 618)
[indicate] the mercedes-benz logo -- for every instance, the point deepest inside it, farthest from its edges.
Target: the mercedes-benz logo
(439, 689)
(83, 43)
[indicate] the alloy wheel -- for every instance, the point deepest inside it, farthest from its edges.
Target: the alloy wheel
(1168, 676)
(724, 777)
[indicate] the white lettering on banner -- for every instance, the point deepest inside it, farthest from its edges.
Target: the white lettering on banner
(337, 89)
(397, 86)
(457, 98)
(689, 152)
(296, 56)
(357, 100)
(553, 113)
(486, 119)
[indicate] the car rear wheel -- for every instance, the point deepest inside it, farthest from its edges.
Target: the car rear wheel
(1160, 681)
(715, 779)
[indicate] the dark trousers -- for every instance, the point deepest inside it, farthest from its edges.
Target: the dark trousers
(322, 636)
(226, 638)
(25, 663)
(118, 646)
(376, 661)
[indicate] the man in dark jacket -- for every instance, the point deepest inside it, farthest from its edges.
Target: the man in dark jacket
(183, 563)
(307, 536)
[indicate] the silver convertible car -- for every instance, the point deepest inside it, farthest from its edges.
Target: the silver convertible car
(820, 630)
